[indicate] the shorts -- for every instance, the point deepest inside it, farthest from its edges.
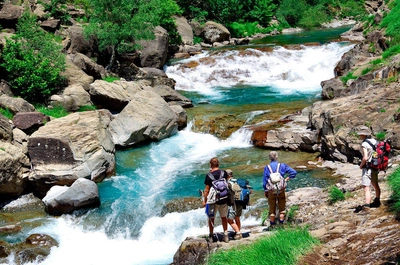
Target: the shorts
(273, 199)
(222, 209)
(235, 212)
(368, 176)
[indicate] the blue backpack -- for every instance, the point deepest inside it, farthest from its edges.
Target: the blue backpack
(242, 197)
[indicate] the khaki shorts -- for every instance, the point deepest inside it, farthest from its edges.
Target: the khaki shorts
(222, 209)
(233, 213)
(368, 176)
(274, 199)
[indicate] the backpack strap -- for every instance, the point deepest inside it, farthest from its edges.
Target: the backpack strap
(277, 168)
(368, 142)
(211, 176)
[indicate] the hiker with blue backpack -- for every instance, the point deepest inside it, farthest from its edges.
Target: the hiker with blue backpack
(216, 198)
(274, 184)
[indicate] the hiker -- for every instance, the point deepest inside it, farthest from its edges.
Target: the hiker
(276, 196)
(369, 175)
(220, 206)
(234, 212)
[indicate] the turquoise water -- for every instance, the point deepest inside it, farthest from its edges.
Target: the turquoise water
(255, 84)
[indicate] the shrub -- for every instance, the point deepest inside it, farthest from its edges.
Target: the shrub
(7, 113)
(33, 67)
(348, 77)
(335, 195)
(394, 185)
(313, 17)
(391, 51)
(380, 136)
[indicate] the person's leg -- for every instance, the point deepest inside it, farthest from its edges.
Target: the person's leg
(211, 226)
(223, 212)
(239, 210)
(233, 225)
(282, 206)
(366, 182)
(272, 207)
(375, 184)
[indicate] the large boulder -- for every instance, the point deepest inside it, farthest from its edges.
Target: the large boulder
(75, 75)
(79, 44)
(147, 117)
(172, 96)
(60, 200)
(6, 133)
(72, 98)
(215, 32)
(87, 65)
(184, 30)
(14, 166)
(30, 121)
(154, 53)
(9, 15)
(76, 146)
(15, 105)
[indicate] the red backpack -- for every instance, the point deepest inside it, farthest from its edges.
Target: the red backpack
(380, 156)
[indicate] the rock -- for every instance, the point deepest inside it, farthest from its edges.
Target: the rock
(51, 25)
(147, 117)
(60, 200)
(35, 248)
(79, 44)
(29, 122)
(87, 65)
(14, 165)
(9, 15)
(181, 115)
(172, 96)
(15, 105)
(69, 148)
(192, 251)
(184, 30)
(215, 32)
(5, 87)
(75, 75)
(72, 98)
(154, 53)
(6, 133)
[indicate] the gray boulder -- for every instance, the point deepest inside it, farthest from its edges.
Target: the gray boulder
(60, 200)
(72, 98)
(15, 105)
(172, 96)
(181, 115)
(30, 121)
(154, 53)
(69, 148)
(184, 30)
(147, 117)
(215, 32)
(87, 65)
(75, 75)
(5, 129)
(9, 15)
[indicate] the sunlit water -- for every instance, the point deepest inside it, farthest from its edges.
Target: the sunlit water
(128, 227)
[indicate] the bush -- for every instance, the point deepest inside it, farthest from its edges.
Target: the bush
(348, 77)
(394, 184)
(33, 67)
(335, 195)
(7, 113)
(313, 17)
(392, 23)
(56, 112)
(391, 51)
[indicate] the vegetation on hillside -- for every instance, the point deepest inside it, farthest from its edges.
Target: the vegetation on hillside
(33, 67)
(394, 184)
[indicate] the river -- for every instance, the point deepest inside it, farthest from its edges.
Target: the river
(252, 84)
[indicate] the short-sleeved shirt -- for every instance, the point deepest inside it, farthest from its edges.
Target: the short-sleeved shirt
(208, 181)
(369, 148)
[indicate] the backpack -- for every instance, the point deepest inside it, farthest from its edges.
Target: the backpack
(219, 187)
(380, 155)
(244, 197)
(276, 182)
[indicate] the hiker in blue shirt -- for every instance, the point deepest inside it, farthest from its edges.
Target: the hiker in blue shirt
(276, 192)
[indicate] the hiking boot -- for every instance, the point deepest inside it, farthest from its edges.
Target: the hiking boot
(225, 238)
(359, 208)
(238, 236)
(211, 238)
(376, 203)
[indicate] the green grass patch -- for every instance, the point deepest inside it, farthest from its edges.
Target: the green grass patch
(391, 51)
(197, 40)
(394, 185)
(377, 61)
(392, 22)
(366, 71)
(87, 108)
(246, 29)
(56, 112)
(335, 195)
(380, 136)
(6, 112)
(110, 79)
(348, 77)
(284, 246)
(291, 215)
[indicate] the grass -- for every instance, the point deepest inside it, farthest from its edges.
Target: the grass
(87, 108)
(380, 136)
(394, 185)
(56, 112)
(284, 246)
(348, 77)
(110, 79)
(335, 195)
(7, 113)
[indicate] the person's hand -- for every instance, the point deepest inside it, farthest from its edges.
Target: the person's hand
(266, 194)
(287, 179)
(204, 204)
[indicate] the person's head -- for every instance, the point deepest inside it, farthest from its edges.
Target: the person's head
(230, 173)
(364, 132)
(273, 156)
(214, 163)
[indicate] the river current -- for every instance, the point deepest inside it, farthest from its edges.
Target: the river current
(255, 84)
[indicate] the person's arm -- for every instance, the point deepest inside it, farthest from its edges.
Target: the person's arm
(290, 172)
(365, 157)
(205, 194)
(265, 180)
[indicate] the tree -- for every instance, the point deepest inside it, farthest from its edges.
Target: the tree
(118, 24)
(33, 61)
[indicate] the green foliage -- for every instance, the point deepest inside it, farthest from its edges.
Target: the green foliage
(197, 40)
(57, 9)
(366, 71)
(382, 110)
(262, 12)
(246, 29)
(392, 23)
(335, 195)
(110, 79)
(292, 213)
(56, 112)
(284, 246)
(394, 185)
(391, 51)
(380, 136)
(313, 17)
(377, 62)
(347, 77)
(264, 216)
(290, 12)
(7, 113)
(33, 67)
(87, 108)
(352, 8)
